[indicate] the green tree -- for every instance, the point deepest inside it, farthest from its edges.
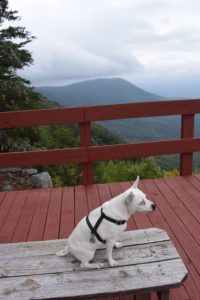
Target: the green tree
(15, 91)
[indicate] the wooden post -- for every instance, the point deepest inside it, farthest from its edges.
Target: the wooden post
(86, 141)
(187, 131)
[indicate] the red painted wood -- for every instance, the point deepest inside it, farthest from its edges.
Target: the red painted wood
(39, 219)
(2, 195)
(6, 205)
(86, 141)
(96, 113)
(23, 225)
(164, 217)
(104, 192)
(12, 217)
(140, 110)
(186, 194)
(194, 181)
(127, 297)
(67, 212)
(181, 218)
(93, 197)
(52, 225)
(87, 154)
(43, 157)
(41, 117)
(184, 215)
(187, 131)
(172, 220)
(81, 203)
(143, 149)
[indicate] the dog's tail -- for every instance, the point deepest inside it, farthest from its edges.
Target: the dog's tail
(63, 252)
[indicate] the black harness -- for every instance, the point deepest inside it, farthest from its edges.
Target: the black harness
(93, 230)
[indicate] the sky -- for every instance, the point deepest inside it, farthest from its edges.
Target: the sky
(155, 44)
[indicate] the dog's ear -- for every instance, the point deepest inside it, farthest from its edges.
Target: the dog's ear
(129, 199)
(135, 185)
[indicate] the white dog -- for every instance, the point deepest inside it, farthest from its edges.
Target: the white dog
(104, 225)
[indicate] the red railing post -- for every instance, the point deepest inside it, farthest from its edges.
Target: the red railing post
(187, 131)
(86, 141)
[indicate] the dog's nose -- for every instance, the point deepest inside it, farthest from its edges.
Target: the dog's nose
(153, 206)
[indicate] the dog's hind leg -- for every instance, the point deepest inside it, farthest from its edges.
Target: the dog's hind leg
(63, 252)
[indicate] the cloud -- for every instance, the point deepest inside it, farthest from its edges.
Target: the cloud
(141, 39)
(60, 62)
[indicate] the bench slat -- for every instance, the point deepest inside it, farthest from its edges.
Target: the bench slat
(129, 255)
(137, 237)
(121, 280)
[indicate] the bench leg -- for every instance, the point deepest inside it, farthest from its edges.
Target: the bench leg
(163, 295)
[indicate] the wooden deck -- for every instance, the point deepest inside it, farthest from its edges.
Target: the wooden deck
(52, 213)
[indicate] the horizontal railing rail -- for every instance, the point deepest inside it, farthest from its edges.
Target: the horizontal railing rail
(86, 154)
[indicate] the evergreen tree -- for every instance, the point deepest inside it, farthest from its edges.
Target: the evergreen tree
(15, 91)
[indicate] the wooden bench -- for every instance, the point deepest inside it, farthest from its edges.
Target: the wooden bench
(148, 262)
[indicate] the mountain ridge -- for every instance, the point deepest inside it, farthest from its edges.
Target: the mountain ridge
(97, 92)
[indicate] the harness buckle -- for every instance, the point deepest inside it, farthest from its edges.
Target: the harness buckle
(92, 238)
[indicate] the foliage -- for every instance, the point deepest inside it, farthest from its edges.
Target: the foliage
(102, 136)
(57, 136)
(114, 171)
(15, 92)
(171, 173)
(63, 175)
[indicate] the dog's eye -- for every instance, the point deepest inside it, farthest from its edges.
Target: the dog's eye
(142, 202)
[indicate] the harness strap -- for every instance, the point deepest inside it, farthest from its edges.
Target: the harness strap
(117, 222)
(94, 229)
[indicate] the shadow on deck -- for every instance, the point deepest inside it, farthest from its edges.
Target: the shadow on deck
(32, 215)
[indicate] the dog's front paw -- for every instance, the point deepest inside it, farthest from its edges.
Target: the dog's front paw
(118, 245)
(86, 265)
(113, 263)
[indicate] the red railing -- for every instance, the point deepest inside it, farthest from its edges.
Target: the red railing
(86, 154)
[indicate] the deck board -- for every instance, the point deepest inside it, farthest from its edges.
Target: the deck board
(52, 213)
(52, 225)
(24, 222)
(39, 218)
(67, 212)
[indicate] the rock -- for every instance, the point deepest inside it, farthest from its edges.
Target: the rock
(22, 181)
(41, 180)
(10, 170)
(7, 187)
(29, 171)
(11, 175)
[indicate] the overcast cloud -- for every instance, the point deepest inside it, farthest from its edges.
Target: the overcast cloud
(153, 43)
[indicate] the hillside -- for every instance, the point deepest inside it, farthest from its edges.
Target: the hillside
(97, 92)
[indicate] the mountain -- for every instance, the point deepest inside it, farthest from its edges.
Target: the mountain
(97, 92)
